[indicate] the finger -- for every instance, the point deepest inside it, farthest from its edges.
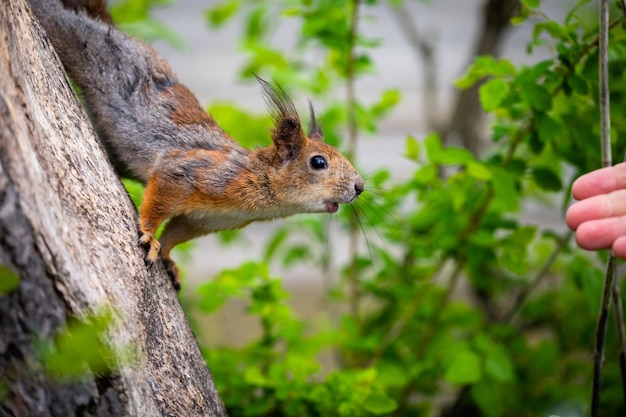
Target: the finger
(600, 234)
(600, 181)
(596, 207)
(619, 247)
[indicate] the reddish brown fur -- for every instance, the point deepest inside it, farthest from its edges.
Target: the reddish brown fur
(94, 8)
(186, 108)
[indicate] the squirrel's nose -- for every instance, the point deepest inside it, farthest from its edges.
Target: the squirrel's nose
(359, 186)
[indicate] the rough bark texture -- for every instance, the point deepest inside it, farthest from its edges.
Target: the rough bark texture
(68, 229)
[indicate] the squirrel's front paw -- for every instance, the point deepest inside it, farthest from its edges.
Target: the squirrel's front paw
(152, 246)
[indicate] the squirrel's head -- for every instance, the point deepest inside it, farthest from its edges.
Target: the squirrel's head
(308, 174)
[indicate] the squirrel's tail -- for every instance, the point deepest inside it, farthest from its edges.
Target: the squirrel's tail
(77, 29)
(120, 78)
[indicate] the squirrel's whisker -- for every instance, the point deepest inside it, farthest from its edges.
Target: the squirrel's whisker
(367, 242)
(372, 225)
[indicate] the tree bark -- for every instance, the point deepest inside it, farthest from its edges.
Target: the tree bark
(69, 230)
(467, 117)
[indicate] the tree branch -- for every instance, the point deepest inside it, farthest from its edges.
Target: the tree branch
(68, 229)
(425, 52)
(609, 277)
(353, 278)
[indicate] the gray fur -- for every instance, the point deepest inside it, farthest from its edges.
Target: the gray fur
(124, 83)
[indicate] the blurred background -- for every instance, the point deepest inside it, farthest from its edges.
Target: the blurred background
(453, 287)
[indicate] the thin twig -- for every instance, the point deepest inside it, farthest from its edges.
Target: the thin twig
(598, 353)
(617, 300)
(621, 332)
(353, 272)
(609, 277)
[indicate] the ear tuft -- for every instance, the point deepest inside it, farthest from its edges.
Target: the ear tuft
(315, 130)
(287, 134)
(277, 100)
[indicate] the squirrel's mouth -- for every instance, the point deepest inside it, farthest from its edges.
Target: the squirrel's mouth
(332, 206)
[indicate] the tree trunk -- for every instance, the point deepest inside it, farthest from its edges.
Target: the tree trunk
(69, 230)
(467, 118)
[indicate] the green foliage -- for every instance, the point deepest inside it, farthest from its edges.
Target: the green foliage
(133, 16)
(510, 346)
(134, 190)
(79, 349)
(281, 363)
(8, 280)
(247, 129)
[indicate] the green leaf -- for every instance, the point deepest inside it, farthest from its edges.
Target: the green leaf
(253, 376)
(9, 280)
(548, 128)
(536, 96)
(291, 12)
(505, 190)
(392, 374)
(464, 369)
(275, 242)
(452, 155)
(492, 93)
(388, 100)
(555, 29)
(257, 25)
(412, 148)
(433, 146)
(578, 84)
(223, 12)
(297, 253)
(379, 403)
(80, 348)
(498, 364)
(482, 67)
(546, 178)
(426, 175)
(514, 248)
(486, 393)
(531, 3)
(479, 171)
(535, 142)
(523, 14)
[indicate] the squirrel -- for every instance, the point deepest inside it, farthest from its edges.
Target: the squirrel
(197, 178)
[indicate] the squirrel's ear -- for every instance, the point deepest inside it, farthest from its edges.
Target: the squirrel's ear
(287, 134)
(315, 130)
(288, 138)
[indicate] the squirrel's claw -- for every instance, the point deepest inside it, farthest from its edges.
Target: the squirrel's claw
(148, 241)
(153, 247)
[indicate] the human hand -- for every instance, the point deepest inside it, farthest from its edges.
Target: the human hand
(599, 217)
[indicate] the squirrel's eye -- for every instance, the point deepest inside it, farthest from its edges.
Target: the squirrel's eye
(319, 162)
